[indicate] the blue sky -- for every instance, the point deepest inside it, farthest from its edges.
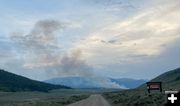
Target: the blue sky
(42, 39)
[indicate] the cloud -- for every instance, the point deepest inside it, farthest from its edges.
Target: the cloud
(111, 36)
(137, 37)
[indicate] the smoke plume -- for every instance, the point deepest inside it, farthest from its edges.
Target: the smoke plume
(41, 50)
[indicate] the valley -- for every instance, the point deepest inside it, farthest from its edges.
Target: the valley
(115, 97)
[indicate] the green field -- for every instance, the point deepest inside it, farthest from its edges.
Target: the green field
(60, 97)
(53, 98)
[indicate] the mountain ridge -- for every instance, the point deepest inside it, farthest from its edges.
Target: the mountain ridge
(85, 82)
(12, 82)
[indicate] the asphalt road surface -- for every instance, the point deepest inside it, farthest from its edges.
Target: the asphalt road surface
(93, 100)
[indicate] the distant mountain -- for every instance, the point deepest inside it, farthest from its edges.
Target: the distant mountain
(170, 80)
(74, 82)
(129, 83)
(82, 82)
(13, 82)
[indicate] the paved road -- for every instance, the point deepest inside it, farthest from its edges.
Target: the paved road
(93, 100)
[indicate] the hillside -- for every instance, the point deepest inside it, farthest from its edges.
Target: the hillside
(13, 82)
(140, 96)
(170, 80)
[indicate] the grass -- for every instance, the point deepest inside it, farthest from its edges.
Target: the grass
(53, 98)
(135, 98)
(59, 97)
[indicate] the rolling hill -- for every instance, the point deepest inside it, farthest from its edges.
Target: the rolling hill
(12, 82)
(170, 80)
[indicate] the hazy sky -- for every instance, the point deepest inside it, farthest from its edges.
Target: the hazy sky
(42, 39)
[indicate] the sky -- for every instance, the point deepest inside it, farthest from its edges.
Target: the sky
(43, 39)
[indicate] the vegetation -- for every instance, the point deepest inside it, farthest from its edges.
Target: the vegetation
(140, 97)
(135, 98)
(52, 98)
(11, 82)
